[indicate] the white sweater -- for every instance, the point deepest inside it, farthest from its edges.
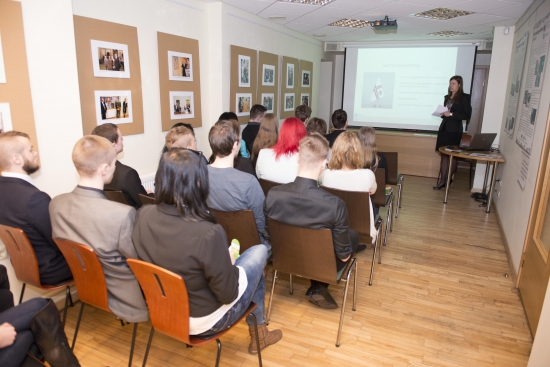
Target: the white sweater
(283, 170)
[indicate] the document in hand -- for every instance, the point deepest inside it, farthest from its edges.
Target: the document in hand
(439, 110)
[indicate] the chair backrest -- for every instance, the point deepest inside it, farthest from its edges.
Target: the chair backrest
(145, 199)
(267, 185)
(379, 197)
(22, 255)
(391, 160)
(305, 252)
(359, 212)
(87, 273)
(115, 195)
(240, 225)
(167, 298)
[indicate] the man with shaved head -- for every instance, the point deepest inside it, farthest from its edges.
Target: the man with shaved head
(23, 206)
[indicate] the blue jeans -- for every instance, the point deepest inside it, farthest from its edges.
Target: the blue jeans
(253, 262)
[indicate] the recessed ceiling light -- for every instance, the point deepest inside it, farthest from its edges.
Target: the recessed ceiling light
(309, 2)
(442, 13)
(277, 19)
(351, 23)
(319, 35)
(448, 33)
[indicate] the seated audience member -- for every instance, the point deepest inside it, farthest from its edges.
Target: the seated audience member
(280, 163)
(257, 112)
(267, 136)
(340, 123)
(23, 206)
(230, 189)
(345, 169)
(373, 160)
(233, 116)
(189, 126)
(180, 137)
(303, 112)
(303, 203)
(316, 125)
(6, 297)
(181, 235)
(240, 163)
(34, 322)
(125, 179)
(87, 217)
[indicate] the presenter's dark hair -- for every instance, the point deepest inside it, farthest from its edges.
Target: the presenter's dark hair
(228, 116)
(257, 112)
(182, 181)
(339, 118)
(459, 93)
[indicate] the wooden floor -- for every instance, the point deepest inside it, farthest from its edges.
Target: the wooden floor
(439, 298)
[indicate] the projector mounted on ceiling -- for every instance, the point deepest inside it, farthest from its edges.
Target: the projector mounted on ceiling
(379, 26)
(384, 25)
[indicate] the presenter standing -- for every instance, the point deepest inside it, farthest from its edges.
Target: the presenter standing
(450, 130)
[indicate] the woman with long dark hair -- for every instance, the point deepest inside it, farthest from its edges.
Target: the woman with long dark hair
(180, 234)
(450, 130)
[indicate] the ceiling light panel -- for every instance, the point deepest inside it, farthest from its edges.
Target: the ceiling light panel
(350, 23)
(442, 14)
(448, 33)
(309, 2)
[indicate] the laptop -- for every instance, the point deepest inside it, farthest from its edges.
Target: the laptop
(479, 142)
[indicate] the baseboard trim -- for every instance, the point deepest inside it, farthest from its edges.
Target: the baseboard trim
(513, 271)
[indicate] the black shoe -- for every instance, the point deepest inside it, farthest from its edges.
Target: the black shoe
(320, 296)
(361, 248)
(440, 186)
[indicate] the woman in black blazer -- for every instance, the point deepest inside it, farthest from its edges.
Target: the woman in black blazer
(450, 130)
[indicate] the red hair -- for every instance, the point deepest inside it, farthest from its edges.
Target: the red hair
(292, 131)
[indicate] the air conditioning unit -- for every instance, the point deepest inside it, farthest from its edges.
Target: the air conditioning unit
(333, 47)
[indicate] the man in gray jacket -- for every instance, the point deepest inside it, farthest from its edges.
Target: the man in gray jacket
(86, 216)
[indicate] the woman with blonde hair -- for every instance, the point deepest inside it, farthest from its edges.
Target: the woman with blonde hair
(346, 169)
(267, 135)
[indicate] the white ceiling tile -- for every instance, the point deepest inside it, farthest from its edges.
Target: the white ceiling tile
(302, 27)
(359, 5)
(288, 17)
(508, 22)
(514, 11)
(432, 4)
(251, 6)
(291, 8)
(476, 19)
(401, 8)
(341, 13)
(479, 6)
(312, 19)
(331, 31)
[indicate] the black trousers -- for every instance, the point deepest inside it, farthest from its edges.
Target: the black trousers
(6, 297)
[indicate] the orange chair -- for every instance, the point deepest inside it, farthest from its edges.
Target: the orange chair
(25, 264)
(90, 281)
(168, 301)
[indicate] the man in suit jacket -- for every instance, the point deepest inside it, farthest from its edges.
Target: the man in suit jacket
(23, 206)
(340, 123)
(86, 216)
(125, 179)
(250, 132)
(103, 109)
(117, 106)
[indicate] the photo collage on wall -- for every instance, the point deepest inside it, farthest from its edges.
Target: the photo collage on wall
(243, 101)
(180, 68)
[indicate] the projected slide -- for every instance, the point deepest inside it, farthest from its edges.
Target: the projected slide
(401, 87)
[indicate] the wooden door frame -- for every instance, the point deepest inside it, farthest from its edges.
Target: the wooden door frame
(483, 97)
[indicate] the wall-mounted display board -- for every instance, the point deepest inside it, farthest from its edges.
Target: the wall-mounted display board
(304, 83)
(109, 75)
(242, 90)
(289, 87)
(16, 111)
(179, 79)
(268, 81)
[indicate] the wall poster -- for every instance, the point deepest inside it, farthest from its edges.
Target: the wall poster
(517, 74)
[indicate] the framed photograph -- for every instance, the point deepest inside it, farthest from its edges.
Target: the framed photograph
(5, 118)
(268, 101)
(268, 75)
(110, 60)
(304, 99)
(113, 106)
(243, 103)
(2, 69)
(182, 105)
(244, 71)
(306, 78)
(180, 66)
(290, 75)
(289, 102)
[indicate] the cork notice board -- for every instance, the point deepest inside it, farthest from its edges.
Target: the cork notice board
(236, 89)
(304, 82)
(16, 91)
(291, 92)
(268, 65)
(178, 88)
(86, 30)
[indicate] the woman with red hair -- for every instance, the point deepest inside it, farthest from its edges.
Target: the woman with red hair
(280, 162)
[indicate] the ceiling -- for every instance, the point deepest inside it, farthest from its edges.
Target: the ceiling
(313, 19)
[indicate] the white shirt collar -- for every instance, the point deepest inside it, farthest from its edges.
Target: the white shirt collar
(20, 176)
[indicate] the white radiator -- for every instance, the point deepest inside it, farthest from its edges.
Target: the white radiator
(148, 182)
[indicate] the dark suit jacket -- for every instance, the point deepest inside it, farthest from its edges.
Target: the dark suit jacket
(249, 134)
(461, 110)
(23, 206)
(332, 136)
(126, 179)
(103, 110)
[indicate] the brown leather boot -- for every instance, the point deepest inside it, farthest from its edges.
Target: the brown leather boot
(266, 337)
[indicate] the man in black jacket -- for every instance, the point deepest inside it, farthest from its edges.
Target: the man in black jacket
(340, 123)
(23, 206)
(303, 203)
(250, 132)
(125, 179)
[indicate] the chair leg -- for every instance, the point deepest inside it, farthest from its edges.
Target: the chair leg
(392, 213)
(380, 250)
(132, 345)
(271, 298)
(219, 352)
(148, 346)
(355, 287)
(77, 324)
(388, 219)
(400, 192)
(376, 244)
(70, 296)
(343, 307)
(291, 290)
(257, 339)
(22, 293)
(67, 297)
